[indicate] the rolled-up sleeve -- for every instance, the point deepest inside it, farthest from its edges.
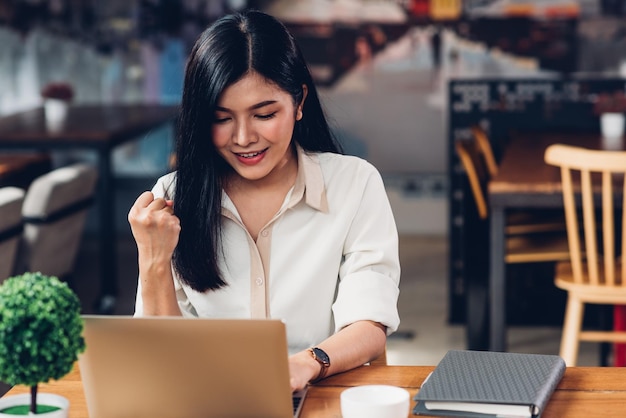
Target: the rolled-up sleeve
(370, 271)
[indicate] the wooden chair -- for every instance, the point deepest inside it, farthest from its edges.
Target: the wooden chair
(54, 214)
(11, 199)
(484, 145)
(517, 222)
(600, 276)
(525, 243)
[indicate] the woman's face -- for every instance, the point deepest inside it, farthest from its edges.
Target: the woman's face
(253, 126)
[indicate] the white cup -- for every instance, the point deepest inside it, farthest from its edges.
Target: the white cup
(375, 401)
(55, 111)
(612, 125)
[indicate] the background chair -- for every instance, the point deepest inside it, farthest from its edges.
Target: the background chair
(525, 242)
(11, 199)
(518, 222)
(596, 272)
(522, 221)
(54, 214)
(484, 146)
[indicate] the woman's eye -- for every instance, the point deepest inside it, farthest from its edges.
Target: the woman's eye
(220, 120)
(268, 116)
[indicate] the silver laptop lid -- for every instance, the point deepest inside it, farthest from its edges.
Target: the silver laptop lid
(177, 367)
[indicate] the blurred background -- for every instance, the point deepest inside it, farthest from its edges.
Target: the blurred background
(381, 65)
(383, 68)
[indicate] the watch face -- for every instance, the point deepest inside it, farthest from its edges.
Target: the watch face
(321, 355)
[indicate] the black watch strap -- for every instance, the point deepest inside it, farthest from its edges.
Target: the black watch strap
(322, 358)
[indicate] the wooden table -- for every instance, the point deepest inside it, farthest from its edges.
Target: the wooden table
(20, 169)
(524, 180)
(98, 128)
(583, 392)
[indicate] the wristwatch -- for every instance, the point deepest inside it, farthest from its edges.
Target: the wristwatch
(322, 358)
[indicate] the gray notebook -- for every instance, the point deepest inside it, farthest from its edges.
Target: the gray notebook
(489, 384)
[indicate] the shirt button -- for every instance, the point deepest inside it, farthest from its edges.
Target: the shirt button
(265, 233)
(259, 281)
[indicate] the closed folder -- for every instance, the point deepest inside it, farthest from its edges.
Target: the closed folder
(477, 384)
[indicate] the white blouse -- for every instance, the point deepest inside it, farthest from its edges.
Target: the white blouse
(328, 258)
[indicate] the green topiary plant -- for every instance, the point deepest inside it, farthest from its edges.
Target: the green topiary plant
(40, 331)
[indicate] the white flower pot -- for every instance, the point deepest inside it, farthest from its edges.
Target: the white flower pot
(55, 111)
(612, 125)
(42, 399)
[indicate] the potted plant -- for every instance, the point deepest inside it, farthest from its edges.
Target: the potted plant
(40, 339)
(58, 91)
(611, 107)
(56, 100)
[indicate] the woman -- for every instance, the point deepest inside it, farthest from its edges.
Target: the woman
(264, 217)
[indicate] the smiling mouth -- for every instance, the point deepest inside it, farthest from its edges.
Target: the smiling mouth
(250, 154)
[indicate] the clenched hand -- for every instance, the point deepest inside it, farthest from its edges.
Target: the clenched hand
(155, 228)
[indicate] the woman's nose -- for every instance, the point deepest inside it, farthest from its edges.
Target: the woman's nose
(244, 134)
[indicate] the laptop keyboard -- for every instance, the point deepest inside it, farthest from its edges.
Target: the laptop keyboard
(297, 399)
(296, 404)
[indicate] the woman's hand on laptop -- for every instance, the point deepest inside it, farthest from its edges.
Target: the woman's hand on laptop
(302, 369)
(353, 346)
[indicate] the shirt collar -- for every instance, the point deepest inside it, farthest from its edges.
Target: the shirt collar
(309, 182)
(309, 185)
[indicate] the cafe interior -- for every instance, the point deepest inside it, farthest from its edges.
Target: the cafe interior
(454, 102)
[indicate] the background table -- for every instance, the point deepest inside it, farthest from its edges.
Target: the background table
(524, 180)
(587, 392)
(20, 169)
(99, 128)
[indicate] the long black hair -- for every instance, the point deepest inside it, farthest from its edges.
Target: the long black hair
(230, 48)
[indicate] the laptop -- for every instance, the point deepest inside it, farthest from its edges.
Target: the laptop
(163, 367)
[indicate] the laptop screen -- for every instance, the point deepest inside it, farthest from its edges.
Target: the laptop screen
(185, 367)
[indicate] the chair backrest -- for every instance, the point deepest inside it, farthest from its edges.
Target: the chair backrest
(11, 200)
(476, 171)
(484, 146)
(601, 173)
(54, 215)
